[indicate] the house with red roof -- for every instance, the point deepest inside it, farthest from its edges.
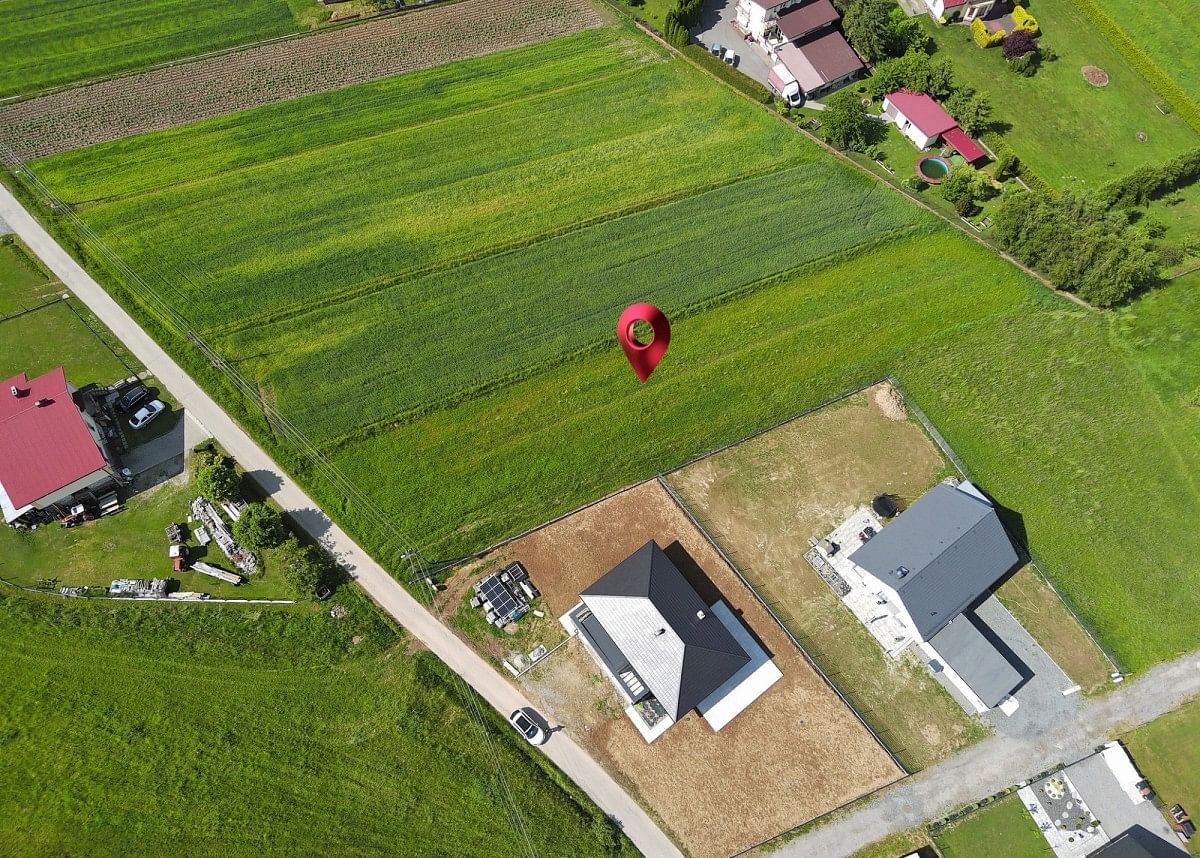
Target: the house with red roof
(923, 121)
(964, 11)
(51, 451)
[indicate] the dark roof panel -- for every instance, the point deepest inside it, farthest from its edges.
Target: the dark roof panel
(940, 555)
(988, 673)
(804, 19)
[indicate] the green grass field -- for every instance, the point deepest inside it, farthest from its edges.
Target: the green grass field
(483, 397)
(1072, 134)
(46, 44)
(1166, 752)
(197, 729)
(1000, 830)
(1168, 31)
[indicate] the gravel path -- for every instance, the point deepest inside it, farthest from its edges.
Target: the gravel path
(393, 598)
(1002, 761)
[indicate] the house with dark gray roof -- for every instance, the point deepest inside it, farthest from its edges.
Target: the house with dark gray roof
(941, 554)
(664, 648)
(936, 559)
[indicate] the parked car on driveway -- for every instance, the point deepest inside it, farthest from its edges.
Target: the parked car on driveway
(132, 397)
(147, 413)
(527, 727)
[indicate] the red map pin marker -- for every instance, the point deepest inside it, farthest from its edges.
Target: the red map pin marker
(644, 358)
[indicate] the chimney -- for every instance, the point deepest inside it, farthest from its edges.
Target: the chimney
(699, 616)
(42, 403)
(16, 391)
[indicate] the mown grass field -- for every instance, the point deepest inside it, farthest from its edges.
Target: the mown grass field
(1168, 31)
(480, 398)
(1072, 134)
(1166, 752)
(46, 44)
(198, 729)
(1000, 830)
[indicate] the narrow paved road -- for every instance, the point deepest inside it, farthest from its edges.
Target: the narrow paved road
(1001, 761)
(495, 689)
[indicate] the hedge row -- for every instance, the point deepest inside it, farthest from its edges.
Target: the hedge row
(1162, 82)
(1153, 180)
(701, 57)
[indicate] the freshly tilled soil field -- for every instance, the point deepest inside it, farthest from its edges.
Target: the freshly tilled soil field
(215, 86)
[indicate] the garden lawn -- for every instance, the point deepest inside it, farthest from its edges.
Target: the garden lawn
(199, 729)
(1072, 134)
(1167, 30)
(1003, 828)
(59, 334)
(44, 44)
(1166, 752)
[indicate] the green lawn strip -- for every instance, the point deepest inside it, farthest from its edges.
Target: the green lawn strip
(1001, 828)
(488, 85)
(1073, 134)
(1160, 40)
(559, 296)
(894, 845)
(24, 284)
(45, 45)
(320, 224)
(1167, 753)
(1158, 332)
(161, 728)
(55, 336)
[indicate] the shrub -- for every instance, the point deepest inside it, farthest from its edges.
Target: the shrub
(984, 37)
(1018, 43)
(1024, 21)
(915, 184)
(217, 480)
(259, 527)
(1007, 163)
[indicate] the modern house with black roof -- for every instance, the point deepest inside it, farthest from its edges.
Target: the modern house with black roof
(665, 649)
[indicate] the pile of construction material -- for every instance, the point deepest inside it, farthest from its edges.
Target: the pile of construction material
(211, 522)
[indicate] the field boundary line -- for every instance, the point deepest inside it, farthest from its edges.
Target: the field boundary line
(50, 303)
(862, 169)
(321, 27)
(452, 400)
(1034, 562)
(328, 147)
(686, 510)
(378, 285)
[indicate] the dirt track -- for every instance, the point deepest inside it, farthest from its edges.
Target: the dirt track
(215, 86)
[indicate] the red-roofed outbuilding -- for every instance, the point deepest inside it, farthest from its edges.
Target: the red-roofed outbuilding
(49, 449)
(923, 121)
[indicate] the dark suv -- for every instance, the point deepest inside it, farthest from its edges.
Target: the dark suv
(132, 397)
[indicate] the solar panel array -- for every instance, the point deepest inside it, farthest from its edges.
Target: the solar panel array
(493, 590)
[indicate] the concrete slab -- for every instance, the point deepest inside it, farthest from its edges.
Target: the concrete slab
(716, 27)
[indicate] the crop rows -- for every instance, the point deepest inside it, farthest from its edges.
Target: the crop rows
(330, 222)
(284, 129)
(443, 335)
(173, 96)
(45, 44)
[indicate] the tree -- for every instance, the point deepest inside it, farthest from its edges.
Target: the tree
(259, 527)
(844, 123)
(300, 565)
(914, 71)
(963, 187)
(868, 26)
(217, 480)
(972, 109)
(906, 34)
(1018, 43)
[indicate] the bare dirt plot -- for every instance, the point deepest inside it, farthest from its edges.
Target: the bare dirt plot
(764, 498)
(176, 95)
(796, 753)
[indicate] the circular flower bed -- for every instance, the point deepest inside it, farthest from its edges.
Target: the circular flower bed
(1095, 75)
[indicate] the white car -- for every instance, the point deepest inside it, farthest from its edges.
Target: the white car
(147, 413)
(527, 727)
